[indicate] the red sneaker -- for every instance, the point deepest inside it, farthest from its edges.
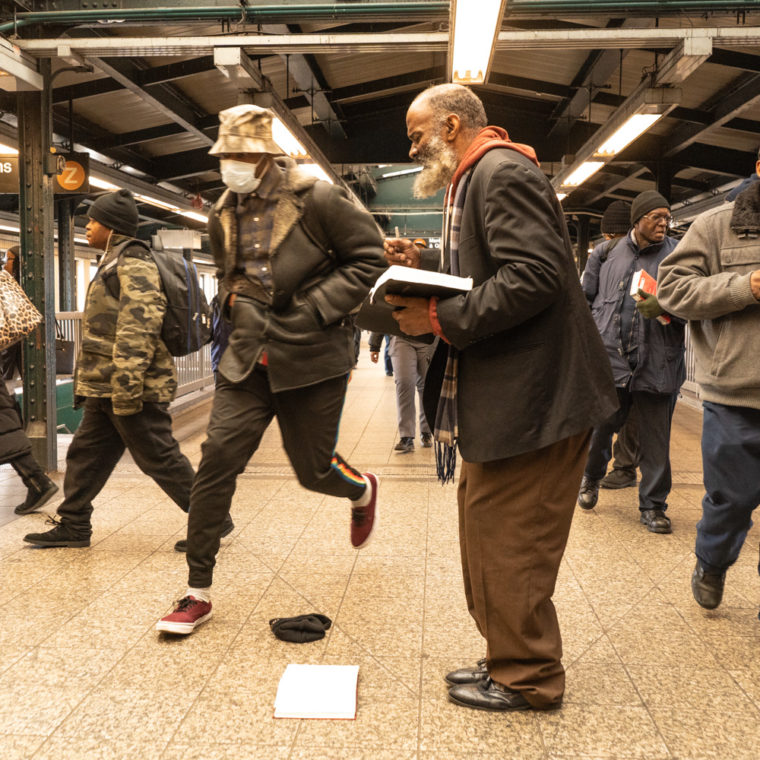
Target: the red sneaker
(364, 519)
(188, 613)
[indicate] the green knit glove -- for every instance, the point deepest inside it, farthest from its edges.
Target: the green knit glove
(649, 307)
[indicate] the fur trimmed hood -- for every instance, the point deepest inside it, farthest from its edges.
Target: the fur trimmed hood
(745, 219)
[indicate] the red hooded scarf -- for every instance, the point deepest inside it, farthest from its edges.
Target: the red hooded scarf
(486, 139)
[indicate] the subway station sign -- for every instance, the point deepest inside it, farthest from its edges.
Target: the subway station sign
(73, 179)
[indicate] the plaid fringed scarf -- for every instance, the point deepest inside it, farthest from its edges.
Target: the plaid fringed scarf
(446, 427)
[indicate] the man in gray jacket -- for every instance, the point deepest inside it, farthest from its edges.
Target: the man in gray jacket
(294, 257)
(713, 279)
(647, 359)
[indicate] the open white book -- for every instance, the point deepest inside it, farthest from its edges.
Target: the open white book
(375, 313)
(317, 691)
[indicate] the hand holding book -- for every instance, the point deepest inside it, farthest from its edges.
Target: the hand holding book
(644, 290)
(412, 314)
(648, 306)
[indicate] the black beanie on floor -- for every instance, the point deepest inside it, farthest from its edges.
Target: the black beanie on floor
(644, 202)
(301, 628)
(117, 211)
(616, 218)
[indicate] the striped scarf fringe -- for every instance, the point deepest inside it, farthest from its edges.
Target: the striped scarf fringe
(446, 425)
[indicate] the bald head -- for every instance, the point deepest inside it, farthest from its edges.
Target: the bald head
(445, 99)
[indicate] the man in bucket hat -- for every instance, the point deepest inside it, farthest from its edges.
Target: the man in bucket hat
(295, 256)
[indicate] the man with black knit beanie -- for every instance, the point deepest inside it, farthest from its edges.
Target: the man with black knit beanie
(125, 377)
(646, 351)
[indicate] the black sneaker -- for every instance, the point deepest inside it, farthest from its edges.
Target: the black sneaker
(227, 528)
(60, 535)
(405, 445)
(427, 440)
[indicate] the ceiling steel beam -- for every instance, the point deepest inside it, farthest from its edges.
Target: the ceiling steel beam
(592, 75)
(744, 96)
(410, 42)
(166, 102)
(307, 76)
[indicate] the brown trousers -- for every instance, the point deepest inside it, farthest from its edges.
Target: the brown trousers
(514, 520)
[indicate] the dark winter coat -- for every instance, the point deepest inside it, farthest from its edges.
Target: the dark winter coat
(13, 440)
(326, 253)
(660, 367)
(532, 369)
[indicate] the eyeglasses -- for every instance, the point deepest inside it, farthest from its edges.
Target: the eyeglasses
(657, 218)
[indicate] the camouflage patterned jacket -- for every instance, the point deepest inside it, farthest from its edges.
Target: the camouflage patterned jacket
(122, 356)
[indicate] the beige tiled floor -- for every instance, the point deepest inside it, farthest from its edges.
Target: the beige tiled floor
(84, 675)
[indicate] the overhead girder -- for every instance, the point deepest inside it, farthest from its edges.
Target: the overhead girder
(162, 98)
(410, 42)
(745, 94)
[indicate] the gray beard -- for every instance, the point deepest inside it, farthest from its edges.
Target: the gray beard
(439, 164)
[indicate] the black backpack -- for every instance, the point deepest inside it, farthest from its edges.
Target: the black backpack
(187, 322)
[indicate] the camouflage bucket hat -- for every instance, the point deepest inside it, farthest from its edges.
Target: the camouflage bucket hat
(245, 129)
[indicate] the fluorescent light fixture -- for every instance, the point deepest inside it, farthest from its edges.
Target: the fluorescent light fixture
(582, 173)
(81, 240)
(285, 139)
(628, 132)
(561, 196)
(7, 149)
(315, 170)
(475, 24)
(8, 228)
(103, 184)
(195, 215)
(156, 202)
(415, 170)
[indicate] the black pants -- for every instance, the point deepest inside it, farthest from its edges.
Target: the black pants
(100, 441)
(308, 418)
(625, 449)
(654, 412)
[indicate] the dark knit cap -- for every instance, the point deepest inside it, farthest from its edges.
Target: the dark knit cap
(616, 218)
(644, 202)
(301, 628)
(117, 211)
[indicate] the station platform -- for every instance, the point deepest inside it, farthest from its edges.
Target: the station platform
(84, 675)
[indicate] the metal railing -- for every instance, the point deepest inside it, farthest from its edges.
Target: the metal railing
(193, 371)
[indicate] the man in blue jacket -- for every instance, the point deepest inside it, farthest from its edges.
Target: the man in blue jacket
(647, 359)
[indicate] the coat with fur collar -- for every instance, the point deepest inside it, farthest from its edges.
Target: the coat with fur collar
(326, 253)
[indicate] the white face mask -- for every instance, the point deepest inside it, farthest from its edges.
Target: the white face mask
(239, 176)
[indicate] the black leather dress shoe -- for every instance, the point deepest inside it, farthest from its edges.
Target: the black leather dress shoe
(656, 521)
(589, 493)
(488, 695)
(468, 675)
(707, 587)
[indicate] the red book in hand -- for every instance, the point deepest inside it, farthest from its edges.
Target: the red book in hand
(642, 280)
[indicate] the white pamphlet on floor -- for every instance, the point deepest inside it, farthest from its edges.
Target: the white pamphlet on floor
(317, 691)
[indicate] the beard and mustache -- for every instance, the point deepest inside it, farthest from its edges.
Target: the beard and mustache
(439, 162)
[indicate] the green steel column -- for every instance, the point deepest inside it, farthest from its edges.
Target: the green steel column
(37, 277)
(67, 271)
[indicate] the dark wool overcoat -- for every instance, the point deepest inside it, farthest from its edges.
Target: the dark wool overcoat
(532, 367)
